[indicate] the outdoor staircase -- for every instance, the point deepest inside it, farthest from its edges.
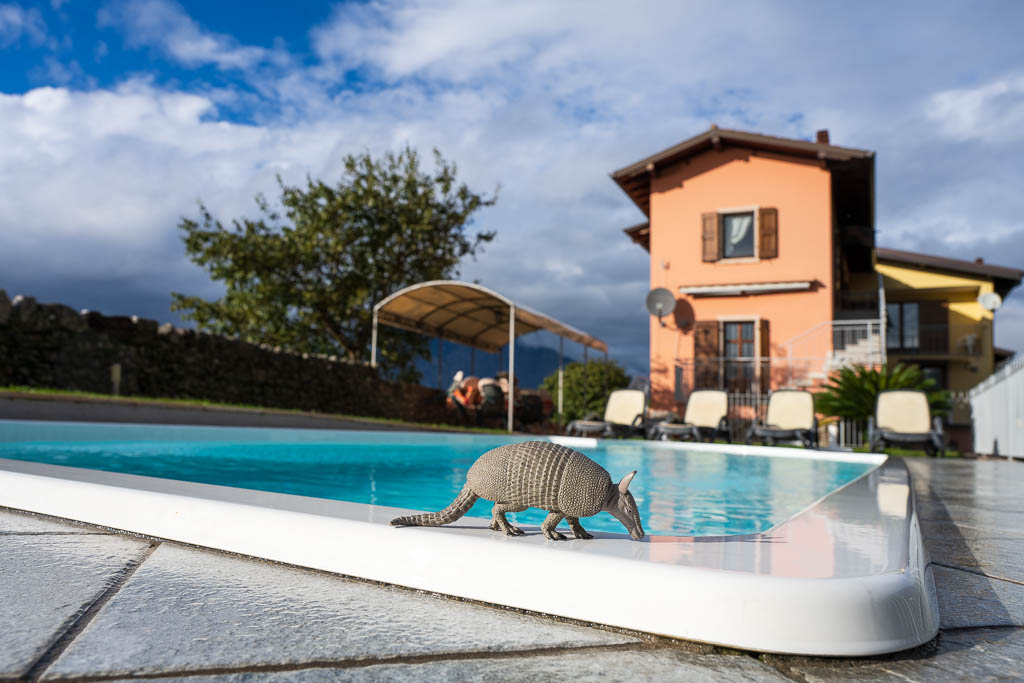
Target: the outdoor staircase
(866, 351)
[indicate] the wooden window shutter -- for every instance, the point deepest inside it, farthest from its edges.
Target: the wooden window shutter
(709, 236)
(705, 354)
(765, 355)
(768, 225)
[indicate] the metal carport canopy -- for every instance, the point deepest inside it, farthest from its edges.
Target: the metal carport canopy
(470, 314)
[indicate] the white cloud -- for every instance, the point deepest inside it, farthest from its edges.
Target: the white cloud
(163, 24)
(992, 112)
(16, 21)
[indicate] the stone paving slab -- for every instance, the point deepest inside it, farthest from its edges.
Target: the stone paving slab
(1003, 558)
(971, 517)
(12, 522)
(186, 608)
(969, 600)
(47, 581)
(961, 655)
(664, 664)
(936, 529)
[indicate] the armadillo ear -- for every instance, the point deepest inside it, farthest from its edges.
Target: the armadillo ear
(624, 484)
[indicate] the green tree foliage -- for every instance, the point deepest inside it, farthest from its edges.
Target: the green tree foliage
(307, 280)
(852, 391)
(586, 387)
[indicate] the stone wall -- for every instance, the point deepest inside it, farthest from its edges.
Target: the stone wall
(54, 346)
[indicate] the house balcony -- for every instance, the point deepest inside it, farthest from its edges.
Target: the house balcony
(938, 341)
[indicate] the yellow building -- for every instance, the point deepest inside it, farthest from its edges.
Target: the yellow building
(939, 317)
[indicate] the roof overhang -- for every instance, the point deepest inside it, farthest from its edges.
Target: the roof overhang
(641, 234)
(635, 179)
(747, 288)
(1003, 278)
(470, 314)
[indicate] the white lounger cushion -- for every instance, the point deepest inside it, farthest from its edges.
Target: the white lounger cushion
(706, 408)
(903, 412)
(790, 410)
(624, 405)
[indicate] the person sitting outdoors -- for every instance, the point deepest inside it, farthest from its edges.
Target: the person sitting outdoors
(464, 394)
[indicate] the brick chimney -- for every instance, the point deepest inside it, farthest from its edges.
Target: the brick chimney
(979, 260)
(823, 136)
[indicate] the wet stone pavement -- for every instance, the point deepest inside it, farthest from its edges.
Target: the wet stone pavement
(83, 603)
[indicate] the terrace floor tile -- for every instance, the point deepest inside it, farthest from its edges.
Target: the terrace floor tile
(662, 664)
(17, 522)
(998, 557)
(48, 582)
(970, 600)
(957, 655)
(192, 609)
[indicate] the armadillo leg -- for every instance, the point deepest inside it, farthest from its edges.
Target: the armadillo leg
(577, 529)
(549, 524)
(498, 521)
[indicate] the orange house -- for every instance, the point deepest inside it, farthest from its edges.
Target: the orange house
(757, 236)
(768, 246)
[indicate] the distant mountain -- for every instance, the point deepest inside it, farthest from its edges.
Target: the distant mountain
(533, 364)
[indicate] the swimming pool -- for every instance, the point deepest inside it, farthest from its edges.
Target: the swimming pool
(822, 559)
(679, 492)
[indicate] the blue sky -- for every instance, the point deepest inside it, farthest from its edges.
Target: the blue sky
(115, 117)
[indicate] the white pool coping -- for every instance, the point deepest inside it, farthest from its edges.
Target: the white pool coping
(848, 576)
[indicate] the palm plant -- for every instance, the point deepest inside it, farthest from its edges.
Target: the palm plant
(852, 391)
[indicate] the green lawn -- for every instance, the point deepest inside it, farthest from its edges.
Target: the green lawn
(191, 402)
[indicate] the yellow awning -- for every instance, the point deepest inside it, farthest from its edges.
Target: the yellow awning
(470, 314)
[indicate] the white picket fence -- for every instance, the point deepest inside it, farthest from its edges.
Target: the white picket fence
(997, 409)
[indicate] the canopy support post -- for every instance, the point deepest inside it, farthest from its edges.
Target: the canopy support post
(373, 341)
(511, 365)
(561, 373)
(586, 381)
(440, 358)
(605, 375)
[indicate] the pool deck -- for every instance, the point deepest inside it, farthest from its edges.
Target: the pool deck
(85, 603)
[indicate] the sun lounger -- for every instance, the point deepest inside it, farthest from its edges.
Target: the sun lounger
(705, 418)
(790, 417)
(623, 416)
(902, 418)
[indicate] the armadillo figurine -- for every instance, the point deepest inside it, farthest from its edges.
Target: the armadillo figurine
(542, 475)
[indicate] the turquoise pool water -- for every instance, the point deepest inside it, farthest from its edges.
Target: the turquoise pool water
(678, 492)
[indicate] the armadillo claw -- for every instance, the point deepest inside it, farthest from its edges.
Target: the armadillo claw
(554, 535)
(582, 534)
(515, 531)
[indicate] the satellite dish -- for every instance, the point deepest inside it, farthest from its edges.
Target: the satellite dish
(990, 301)
(660, 302)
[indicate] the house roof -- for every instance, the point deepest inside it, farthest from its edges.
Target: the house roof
(1003, 277)
(635, 178)
(1000, 354)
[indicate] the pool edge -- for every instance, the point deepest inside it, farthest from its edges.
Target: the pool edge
(851, 616)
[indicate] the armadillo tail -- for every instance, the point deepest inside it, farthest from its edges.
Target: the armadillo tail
(458, 508)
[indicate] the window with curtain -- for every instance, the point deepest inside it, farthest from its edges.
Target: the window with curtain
(738, 235)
